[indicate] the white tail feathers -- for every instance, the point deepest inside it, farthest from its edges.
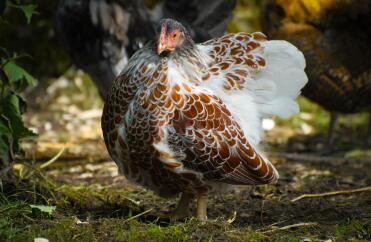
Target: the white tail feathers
(269, 91)
(281, 81)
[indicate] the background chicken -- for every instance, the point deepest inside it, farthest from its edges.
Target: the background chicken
(100, 35)
(335, 37)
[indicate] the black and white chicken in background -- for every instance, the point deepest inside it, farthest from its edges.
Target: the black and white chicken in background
(101, 35)
(335, 38)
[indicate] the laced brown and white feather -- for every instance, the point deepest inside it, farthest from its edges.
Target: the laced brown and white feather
(189, 119)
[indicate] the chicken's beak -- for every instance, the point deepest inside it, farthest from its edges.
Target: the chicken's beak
(162, 45)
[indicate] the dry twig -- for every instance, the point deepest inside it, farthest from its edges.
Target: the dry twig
(290, 227)
(334, 193)
(315, 158)
(233, 218)
(139, 215)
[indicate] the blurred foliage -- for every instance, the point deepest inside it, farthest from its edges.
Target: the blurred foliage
(49, 59)
(246, 16)
(36, 38)
(13, 80)
(151, 4)
(49, 62)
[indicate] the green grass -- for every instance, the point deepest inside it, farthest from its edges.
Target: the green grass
(310, 114)
(120, 229)
(354, 228)
(318, 118)
(288, 238)
(7, 229)
(63, 227)
(90, 214)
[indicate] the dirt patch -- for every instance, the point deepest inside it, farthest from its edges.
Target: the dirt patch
(259, 209)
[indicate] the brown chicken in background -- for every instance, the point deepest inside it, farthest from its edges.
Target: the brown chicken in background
(335, 37)
(101, 35)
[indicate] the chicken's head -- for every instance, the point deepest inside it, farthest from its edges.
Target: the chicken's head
(171, 35)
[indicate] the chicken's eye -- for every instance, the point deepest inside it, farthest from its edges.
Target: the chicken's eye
(174, 36)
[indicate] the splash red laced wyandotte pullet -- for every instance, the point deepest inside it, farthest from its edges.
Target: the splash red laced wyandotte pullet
(335, 38)
(186, 118)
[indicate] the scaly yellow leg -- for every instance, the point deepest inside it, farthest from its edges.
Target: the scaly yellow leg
(202, 206)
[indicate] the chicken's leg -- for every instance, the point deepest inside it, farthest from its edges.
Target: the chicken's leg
(330, 133)
(182, 211)
(202, 206)
(368, 137)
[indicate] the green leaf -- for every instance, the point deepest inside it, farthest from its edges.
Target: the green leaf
(4, 130)
(12, 112)
(16, 73)
(29, 79)
(43, 209)
(3, 79)
(13, 71)
(4, 142)
(11, 108)
(27, 9)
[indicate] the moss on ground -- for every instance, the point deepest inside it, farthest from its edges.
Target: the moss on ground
(88, 214)
(67, 228)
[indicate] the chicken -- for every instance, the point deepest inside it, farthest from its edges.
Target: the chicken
(335, 37)
(186, 118)
(100, 35)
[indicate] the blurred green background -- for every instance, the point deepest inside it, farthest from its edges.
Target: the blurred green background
(50, 62)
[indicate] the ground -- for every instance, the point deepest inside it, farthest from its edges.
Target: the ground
(94, 203)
